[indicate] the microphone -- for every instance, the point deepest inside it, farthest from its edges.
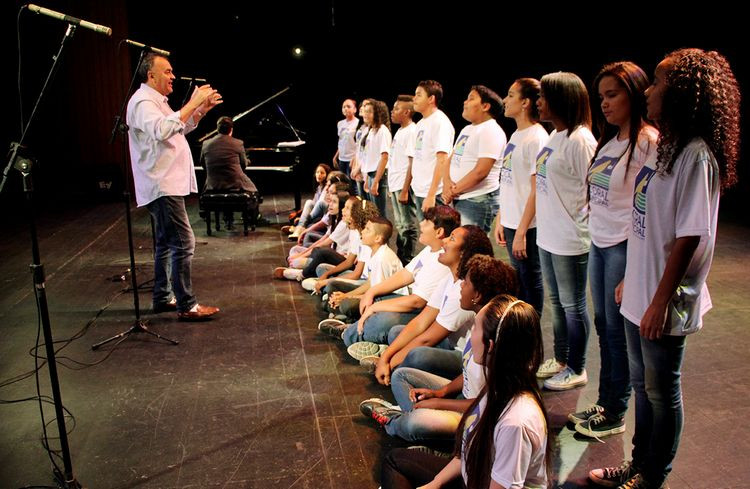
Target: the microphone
(160, 52)
(190, 78)
(101, 29)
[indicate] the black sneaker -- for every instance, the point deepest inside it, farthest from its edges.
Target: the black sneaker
(584, 415)
(613, 476)
(638, 482)
(600, 425)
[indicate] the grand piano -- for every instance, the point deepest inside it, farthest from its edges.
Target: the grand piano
(272, 144)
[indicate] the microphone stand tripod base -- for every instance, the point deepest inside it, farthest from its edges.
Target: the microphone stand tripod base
(138, 326)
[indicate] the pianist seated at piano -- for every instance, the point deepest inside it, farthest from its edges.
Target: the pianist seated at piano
(224, 159)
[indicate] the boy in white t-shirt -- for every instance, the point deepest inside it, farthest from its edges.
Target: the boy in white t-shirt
(433, 144)
(381, 310)
(381, 264)
(471, 180)
(399, 177)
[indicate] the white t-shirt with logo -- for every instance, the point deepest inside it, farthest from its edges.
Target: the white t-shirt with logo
(611, 182)
(398, 160)
(683, 203)
(381, 265)
(518, 164)
(378, 142)
(484, 140)
(519, 447)
(434, 135)
(447, 299)
(347, 145)
(562, 209)
(427, 271)
(340, 236)
(360, 135)
(473, 372)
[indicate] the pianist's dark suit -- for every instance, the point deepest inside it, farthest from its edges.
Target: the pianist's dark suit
(224, 159)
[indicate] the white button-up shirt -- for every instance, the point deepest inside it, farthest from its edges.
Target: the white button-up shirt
(159, 153)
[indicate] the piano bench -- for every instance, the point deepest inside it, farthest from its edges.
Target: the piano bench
(218, 201)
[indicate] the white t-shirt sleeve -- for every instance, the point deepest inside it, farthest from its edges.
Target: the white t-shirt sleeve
(490, 144)
(513, 451)
(439, 295)
(383, 141)
(693, 216)
(443, 136)
(411, 141)
(531, 148)
(451, 316)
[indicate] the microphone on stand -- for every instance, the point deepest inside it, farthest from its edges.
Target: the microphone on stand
(160, 52)
(191, 79)
(101, 29)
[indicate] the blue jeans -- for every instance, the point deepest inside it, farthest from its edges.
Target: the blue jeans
(566, 283)
(655, 375)
(380, 199)
(606, 270)
(418, 201)
(406, 378)
(405, 222)
(420, 424)
(174, 237)
(479, 210)
(442, 359)
(378, 325)
(528, 270)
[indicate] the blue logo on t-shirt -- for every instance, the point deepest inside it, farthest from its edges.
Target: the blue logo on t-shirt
(541, 170)
(639, 201)
(600, 174)
(418, 144)
(506, 171)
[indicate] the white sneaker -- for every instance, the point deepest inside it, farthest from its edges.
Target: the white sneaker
(549, 368)
(293, 274)
(309, 284)
(362, 349)
(566, 379)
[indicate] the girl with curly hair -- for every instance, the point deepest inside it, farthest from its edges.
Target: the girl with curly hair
(562, 224)
(430, 406)
(442, 323)
(502, 438)
(377, 148)
(625, 143)
(694, 101)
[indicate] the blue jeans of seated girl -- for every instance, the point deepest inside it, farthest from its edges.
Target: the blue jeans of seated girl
(420, 424)
(566, 283)
(378, 325)
(442, 359)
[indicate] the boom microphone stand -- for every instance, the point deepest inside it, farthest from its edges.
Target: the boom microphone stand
(139, 326)
(64, 479)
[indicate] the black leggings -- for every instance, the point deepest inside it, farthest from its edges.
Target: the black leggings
(407, 469)
(318, 256)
